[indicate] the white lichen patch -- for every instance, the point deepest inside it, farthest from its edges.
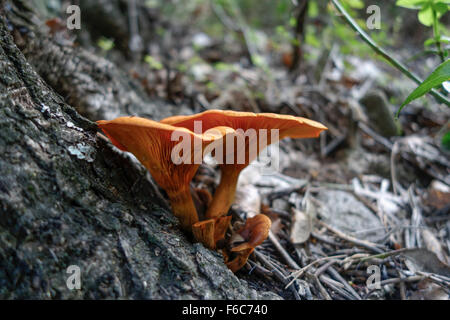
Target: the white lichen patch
(45, 109)
(82, 151)
(70, 124)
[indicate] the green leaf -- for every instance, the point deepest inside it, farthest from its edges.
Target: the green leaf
(437, 77)
(313, 9)
(292, 21)
(412, 4)
(153, 63)
(426, 8)
(445, 141)
(426, 15)
(105, 44)
(432, 41)
(222, 66)
(441, 8)
(282, 7)
(355, 4)
(312, 40)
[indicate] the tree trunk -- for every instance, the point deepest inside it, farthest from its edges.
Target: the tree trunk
(69, 198)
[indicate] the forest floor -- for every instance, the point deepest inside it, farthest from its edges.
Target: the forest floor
(360, 213)
(369, 201)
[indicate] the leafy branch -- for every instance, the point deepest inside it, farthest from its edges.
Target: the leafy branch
(394, 62)
(430, 11)
(437, 77)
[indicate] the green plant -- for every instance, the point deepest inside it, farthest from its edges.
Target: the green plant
(105, 44)
(445, 141)
(435, 77)
(153, 63)
(430, 11)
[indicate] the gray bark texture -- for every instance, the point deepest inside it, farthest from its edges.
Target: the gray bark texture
(93, 85)
(69, 198)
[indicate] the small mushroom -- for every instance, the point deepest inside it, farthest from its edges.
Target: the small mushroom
(288, 126)
(247, 238)
(153, 143)
(211, 231)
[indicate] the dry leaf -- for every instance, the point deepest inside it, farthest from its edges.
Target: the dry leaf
(427, 290)
(434, 245)
(419, 259)
(301, 227)
(248, 199)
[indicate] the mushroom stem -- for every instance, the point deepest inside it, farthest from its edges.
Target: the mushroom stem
(204, 233)
(211, 231)
(183, 207)
(224, 195)
(154, 146)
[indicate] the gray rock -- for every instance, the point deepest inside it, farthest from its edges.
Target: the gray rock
(379, 114)
(344, 212)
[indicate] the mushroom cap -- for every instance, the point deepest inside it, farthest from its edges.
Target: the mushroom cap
(239, 260)
(289, 126)
(254, 232)
(152, 143)
(243, 123)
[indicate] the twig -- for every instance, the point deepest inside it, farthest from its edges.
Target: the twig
(299, 34)
(416, 218)
(337, 287)
(238, 27)
(338, 277)
(281, 192)
(282, 251)
(135, 43)
(363, 243)
(381, 140)
(283, 214)
(402, 280)
(324, 268)
(336, 186)
(395, 184)
(298, 273)
(322, 289)
(325, 239)
(333, 145)
(277, 273)
(443, 280)
(402, 286)
(259, 269)
(394, 62)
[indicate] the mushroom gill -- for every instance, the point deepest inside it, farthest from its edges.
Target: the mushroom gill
(157, 147)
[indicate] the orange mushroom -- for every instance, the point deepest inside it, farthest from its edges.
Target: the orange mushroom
(288, 126)
(211, 231)
(252, 234)
(153, 144)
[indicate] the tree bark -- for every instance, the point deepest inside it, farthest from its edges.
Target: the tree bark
(69, 198)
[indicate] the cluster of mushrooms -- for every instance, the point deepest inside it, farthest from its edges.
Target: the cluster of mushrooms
(150, 141)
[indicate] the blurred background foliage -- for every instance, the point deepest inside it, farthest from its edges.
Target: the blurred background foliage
(270, 25)
(276, 19)
(295, 36)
